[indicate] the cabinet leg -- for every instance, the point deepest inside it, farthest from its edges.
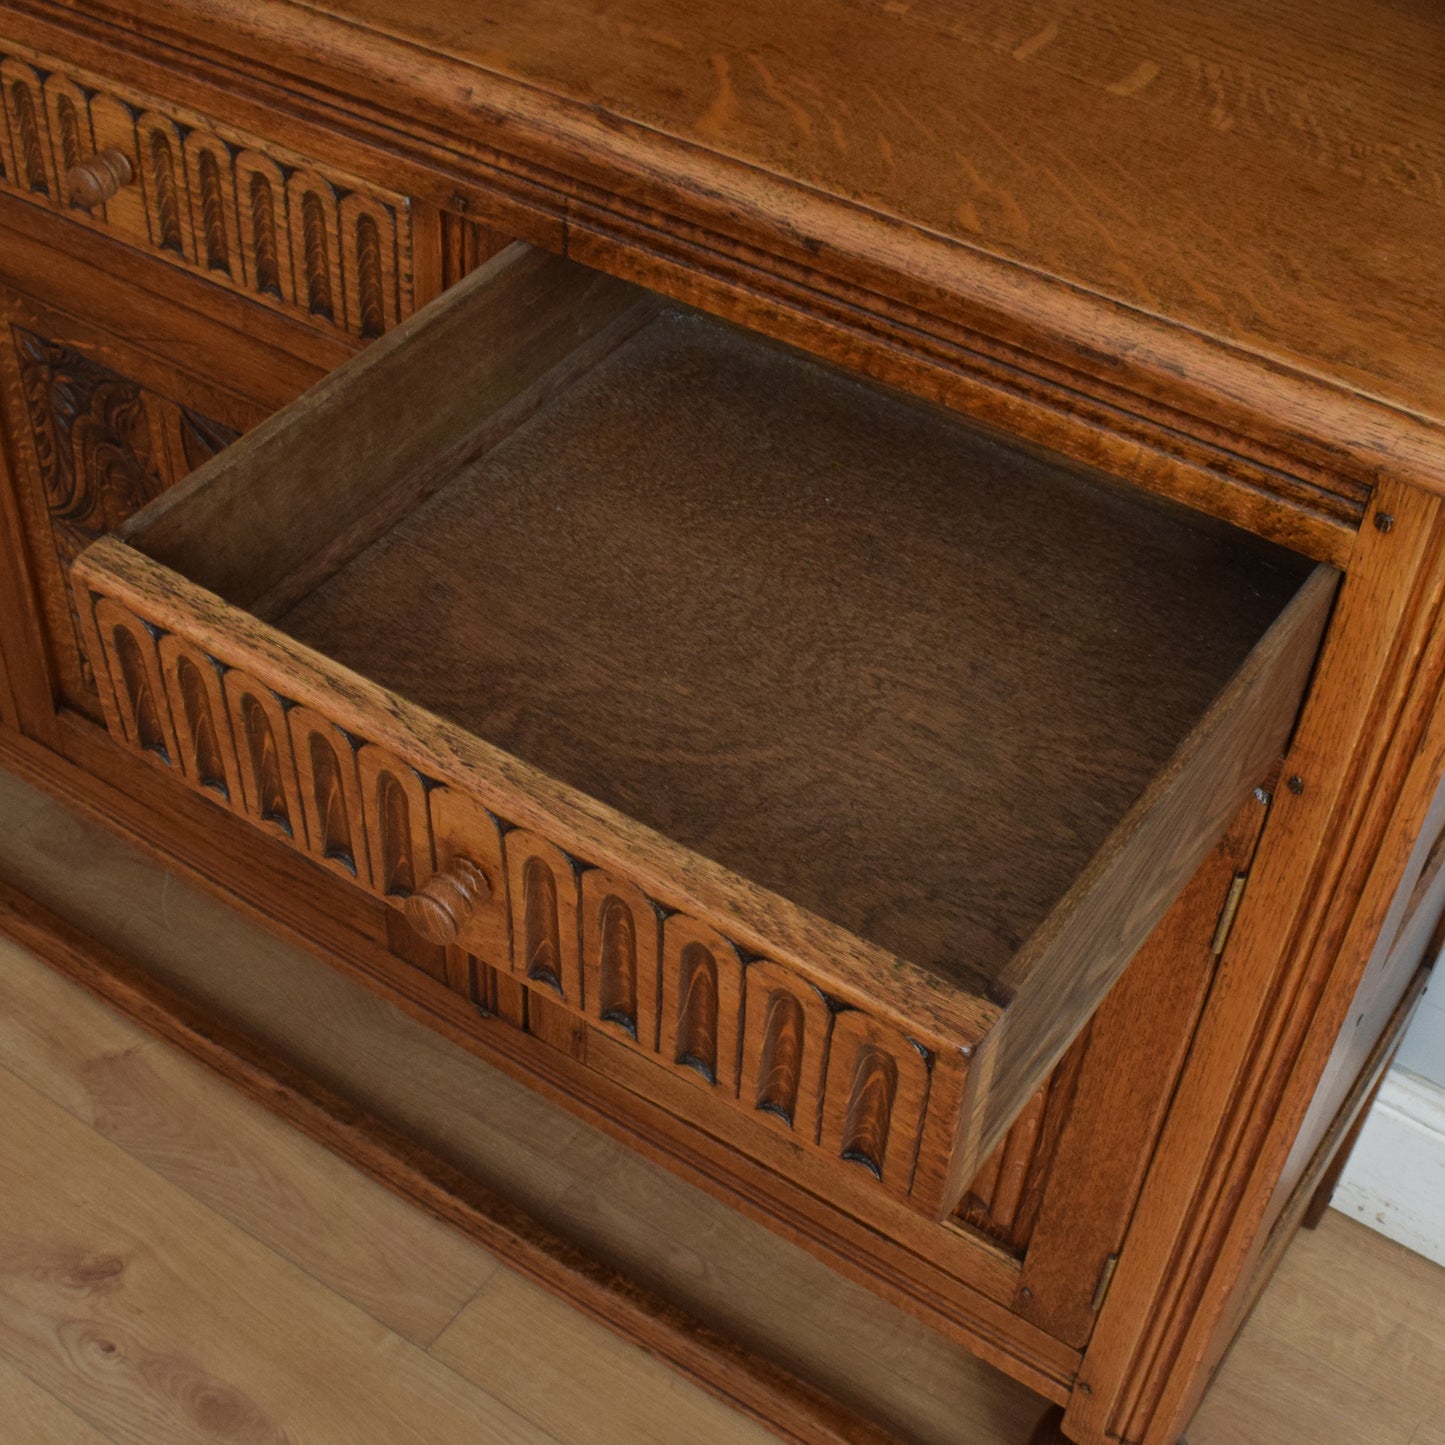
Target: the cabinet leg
(1050, 1430)
(1324, 1190)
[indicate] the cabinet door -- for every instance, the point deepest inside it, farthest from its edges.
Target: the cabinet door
(117, 379)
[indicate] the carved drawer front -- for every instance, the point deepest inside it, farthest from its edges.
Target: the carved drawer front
(242, 212)
(829, 757)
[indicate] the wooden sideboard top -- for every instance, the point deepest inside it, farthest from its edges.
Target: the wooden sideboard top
(1231, 210)
(1270, 175)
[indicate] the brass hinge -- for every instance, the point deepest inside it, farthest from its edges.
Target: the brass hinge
(1106, 1278)
(1228, 914)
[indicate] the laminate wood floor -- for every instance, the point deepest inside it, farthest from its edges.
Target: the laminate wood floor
(177, 1265)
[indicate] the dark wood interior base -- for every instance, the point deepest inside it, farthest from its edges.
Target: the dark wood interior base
(756, 1386)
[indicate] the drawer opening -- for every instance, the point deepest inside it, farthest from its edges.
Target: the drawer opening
(916, 689)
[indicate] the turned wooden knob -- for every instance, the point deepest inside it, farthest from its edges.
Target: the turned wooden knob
(442, 907)
(99, 178)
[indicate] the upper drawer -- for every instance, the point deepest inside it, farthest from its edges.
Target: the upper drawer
(240, 211)
(831, 755)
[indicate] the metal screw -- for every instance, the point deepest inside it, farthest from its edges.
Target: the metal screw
(1296, 785)
(1026, 1292)
(1383, 521)
(1261, 796)
(1085, 1388)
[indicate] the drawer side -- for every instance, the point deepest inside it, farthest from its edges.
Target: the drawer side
(1057, 980)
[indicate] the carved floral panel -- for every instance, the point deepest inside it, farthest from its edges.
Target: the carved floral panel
(103, 445)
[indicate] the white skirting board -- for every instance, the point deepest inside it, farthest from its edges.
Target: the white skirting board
(1395, 1180)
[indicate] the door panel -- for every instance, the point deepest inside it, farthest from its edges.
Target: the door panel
(93, 446)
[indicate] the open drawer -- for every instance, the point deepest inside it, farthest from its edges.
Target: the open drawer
(833, 756)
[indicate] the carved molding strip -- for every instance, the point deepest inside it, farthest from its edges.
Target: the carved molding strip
(750, 1031)
(242, 212)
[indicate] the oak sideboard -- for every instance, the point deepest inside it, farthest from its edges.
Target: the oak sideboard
(852, 590)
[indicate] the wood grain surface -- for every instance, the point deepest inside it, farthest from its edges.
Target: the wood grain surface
(119, 1302)
(368, 444)
(1330, 867)
(1119, 1094)
(948, 1278)
(40, 1418)
(404, 1269)
(1081, 141)
(231, 207)
(101, 413)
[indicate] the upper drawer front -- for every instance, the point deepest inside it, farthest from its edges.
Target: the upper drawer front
(240, 211)
(827, 754)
